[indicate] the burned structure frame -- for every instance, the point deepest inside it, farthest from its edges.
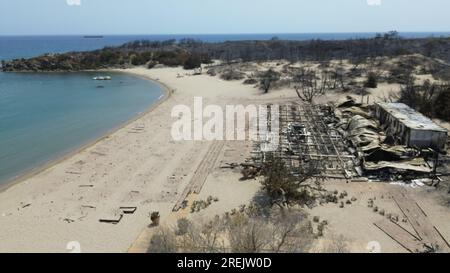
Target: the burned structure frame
(307, 135)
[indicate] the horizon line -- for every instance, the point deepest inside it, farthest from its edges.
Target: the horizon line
(213, 34)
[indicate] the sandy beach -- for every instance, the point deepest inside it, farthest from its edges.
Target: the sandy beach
(138, 165)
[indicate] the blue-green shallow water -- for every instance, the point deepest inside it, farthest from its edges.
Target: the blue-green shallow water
(44, 115)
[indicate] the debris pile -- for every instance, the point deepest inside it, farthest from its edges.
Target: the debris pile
(379, 155)
(349, 142)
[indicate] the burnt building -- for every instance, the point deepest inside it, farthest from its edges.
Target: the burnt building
(409, 127)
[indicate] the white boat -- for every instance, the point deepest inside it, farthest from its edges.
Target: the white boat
(101, 78)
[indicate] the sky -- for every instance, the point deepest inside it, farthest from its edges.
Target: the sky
(53, 17)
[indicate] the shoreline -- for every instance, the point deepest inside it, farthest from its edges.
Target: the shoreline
(167, 91)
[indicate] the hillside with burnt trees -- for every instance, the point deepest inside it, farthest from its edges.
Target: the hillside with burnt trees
(192, 53)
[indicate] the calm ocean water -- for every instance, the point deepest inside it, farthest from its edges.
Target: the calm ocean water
(43, 115)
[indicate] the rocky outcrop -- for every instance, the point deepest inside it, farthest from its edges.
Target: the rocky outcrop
(50, 63)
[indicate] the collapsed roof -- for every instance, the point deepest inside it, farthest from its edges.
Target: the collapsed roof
(373, 147)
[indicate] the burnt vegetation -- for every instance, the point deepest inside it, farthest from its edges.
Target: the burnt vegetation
(285, 189)
(250, 230)
(431, 99)
(191, 53)
(267, 79)
(310, 85)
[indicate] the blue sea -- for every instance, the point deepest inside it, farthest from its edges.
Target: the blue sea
(45, 115)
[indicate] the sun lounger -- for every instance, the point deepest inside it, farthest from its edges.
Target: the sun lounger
(128, 210)
(112, 220)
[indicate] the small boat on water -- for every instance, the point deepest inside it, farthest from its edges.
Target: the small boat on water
(93, 37)
(102, 78)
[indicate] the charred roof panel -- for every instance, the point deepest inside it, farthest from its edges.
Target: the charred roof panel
(410, 117)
